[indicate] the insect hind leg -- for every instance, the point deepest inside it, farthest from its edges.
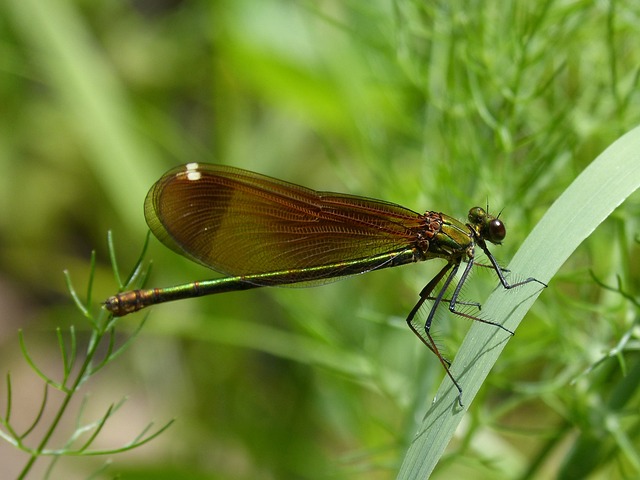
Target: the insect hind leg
(451, 269)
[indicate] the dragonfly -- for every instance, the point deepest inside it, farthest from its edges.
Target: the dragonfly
(261, 231)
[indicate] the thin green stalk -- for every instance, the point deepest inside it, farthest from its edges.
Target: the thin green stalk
(102, 325)
(96, 336)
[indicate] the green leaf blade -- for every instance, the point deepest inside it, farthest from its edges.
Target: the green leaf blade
(586, 203)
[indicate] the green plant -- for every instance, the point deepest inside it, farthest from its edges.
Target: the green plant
(590, 199)
(79, 364)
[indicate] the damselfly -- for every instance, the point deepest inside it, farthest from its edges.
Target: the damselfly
(261, 231)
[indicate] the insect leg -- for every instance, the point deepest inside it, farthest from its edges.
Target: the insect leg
(425, 294)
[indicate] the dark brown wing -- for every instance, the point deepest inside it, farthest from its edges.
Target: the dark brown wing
(239, 222)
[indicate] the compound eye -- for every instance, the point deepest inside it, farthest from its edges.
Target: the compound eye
(497, 231)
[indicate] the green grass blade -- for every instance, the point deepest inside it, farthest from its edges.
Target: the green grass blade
(94, 99)
(588, 201)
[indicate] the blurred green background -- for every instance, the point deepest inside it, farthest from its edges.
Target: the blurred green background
(432, 105)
